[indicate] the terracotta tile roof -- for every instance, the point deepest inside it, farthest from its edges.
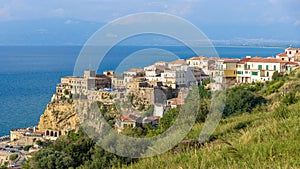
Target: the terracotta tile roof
(266, 60)
(292, 63)
(126, 118)
(176, 101)
(282, 54)
(130, 117)
(153, 118)
(244, 60)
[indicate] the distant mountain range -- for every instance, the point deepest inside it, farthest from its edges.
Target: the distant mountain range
(77, 32)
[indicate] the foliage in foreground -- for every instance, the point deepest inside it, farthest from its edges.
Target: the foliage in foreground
(74, 151)
(257, 140)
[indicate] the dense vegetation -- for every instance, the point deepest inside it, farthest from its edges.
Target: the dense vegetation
(259, 129)
(76, 150)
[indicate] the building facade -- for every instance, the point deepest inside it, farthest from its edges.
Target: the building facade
(259, 69)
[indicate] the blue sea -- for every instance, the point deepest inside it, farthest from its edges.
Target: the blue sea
(29, 75)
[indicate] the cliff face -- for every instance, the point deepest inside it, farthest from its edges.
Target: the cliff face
(59, 116)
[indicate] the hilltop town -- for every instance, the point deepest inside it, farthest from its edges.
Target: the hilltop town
(150, 91)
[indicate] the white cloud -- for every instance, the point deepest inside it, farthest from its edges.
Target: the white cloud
(58, 12)
(183, 7)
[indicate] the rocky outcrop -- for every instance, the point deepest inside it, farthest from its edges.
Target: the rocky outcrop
(59, 116)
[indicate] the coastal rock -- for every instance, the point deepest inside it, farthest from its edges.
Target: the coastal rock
(59, 116)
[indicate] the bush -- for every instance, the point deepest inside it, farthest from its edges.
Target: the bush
(273, 87)
(66, 92)
(290, 98)
(298, 75)
(203, 93)
(26, 148)
(240, 100)
(13, 157)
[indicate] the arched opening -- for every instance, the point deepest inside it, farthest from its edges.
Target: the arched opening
(51, 133)
(55, 134)
(59, 133)
(47, 132)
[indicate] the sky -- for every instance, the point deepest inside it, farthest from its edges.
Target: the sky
(57, 21)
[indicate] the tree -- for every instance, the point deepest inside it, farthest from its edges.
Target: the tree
(204, 93)
(240, 100)
(49, 159)
(275, 76)
(203, 110)
(167, 120)
(26, 148)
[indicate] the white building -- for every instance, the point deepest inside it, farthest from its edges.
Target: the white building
(153, 72)
(289, 54)
(177, 74)
(291, 51)
(198, 62)
(81, 84)
(259, 69)
(132, 73)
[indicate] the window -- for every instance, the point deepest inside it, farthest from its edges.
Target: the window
(268, 74)
(239, 72)
(248, 66)
(259, 67)
(267, 67)
(254, 73)
(274, 67)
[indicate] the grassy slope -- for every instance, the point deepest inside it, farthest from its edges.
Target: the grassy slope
(261, 139)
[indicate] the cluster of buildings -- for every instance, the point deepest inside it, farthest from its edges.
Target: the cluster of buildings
(259, 69)
(184, 73)
(165, 85)
(173, 78)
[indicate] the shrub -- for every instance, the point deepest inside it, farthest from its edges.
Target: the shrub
(66, 92)
(240, 100)
(276, 76)
(26, 148)
(298, 75)
(274, 87)
(13, 157)
(290, 98)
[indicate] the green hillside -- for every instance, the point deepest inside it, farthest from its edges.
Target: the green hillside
(266, 137)
(256, 140)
